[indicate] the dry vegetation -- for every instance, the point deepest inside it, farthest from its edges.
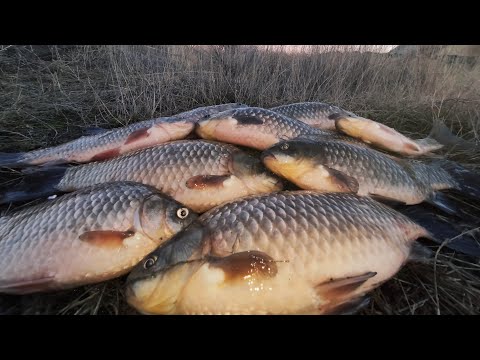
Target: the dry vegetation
(48, 99)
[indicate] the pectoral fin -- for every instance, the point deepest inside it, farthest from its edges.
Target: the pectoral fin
(106, 238)
(137, 135)
(21, 287)
(420, 253)
(246, 265)
(342, 287)
(202, 182)
(386, 200)
(105, 155)
(340, 181)
(350, 307)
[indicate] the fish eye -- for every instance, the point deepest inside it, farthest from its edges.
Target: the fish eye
(284, 146)
(150, 262)
(182, 213)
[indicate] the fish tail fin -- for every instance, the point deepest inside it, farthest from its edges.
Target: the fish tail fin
(467, 181)
(443, 230)
(450, 206)
(440, 135)
(12, 159)
(38, 183)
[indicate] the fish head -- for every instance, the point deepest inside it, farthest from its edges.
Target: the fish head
(225, 284)
(244, 127)
(253, 173)
(158, 294)
(172, 128)
(304, 162)
(155, 284)
(290, 158)
(377, 134)
(160, 217)
(355, 126)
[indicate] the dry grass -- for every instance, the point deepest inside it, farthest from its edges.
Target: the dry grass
(46, 101)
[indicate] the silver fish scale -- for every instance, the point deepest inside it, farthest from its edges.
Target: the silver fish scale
(279, 124)
(60, 222)
(432, 176)
(201, 112)
(85, 143)
(370, 167)
(106, 141)
(166, 166)
(307, 226)
(310, 110)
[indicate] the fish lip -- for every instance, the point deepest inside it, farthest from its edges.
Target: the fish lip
(138, 302)
(337, 116)
(205, 128)
(206, 120)
(133, 279)
(267, 155)
(129, 292)
(279, 183)
(131, 295)
(349, 119)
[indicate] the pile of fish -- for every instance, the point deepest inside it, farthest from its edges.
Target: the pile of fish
(231, 209)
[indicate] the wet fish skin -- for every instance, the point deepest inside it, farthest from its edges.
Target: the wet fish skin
(117, 141)
(89, 236)
(386, 138)
(315, 114)
(284, 253)
(334, 166)
(200, 174)
(330, 117)
(257, 128)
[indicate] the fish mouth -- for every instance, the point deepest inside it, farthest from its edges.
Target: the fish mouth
(345, 119)
(177, 129)
(267, 156)
(223, 128)
(291, 168)
(159, 293)
(349, 123)
(277, 184)
(205, 128)
(139, 294)
(271, 162)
